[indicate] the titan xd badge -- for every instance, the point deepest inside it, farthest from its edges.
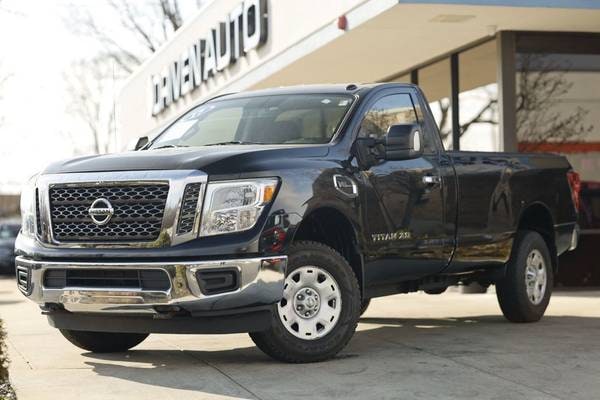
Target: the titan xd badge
(391, 237)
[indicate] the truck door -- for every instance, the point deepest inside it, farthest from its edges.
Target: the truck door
(410, 231)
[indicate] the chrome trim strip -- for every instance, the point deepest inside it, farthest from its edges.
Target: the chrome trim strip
(574, 238)
(340, 128)
(176, 179)
(261, 282)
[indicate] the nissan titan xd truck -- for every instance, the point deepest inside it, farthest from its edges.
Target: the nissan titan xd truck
(281, 213)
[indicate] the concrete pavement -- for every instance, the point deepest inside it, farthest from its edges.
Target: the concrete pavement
(417, 346)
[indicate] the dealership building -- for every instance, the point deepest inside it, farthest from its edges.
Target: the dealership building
(500, 75)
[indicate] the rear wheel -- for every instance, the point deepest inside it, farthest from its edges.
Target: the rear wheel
(524, 293)
(103, 342)
(319, 310)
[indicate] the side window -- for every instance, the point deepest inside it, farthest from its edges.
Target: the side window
(390, 110)
(387, 111)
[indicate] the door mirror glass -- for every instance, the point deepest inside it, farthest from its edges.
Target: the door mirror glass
(141, 142)
(403, 141)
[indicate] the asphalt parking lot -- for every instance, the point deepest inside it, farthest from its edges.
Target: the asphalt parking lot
(451, 346)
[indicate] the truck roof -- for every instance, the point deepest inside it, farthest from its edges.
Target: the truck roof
(345, 88)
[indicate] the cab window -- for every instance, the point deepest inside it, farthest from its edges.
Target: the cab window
(387, 111)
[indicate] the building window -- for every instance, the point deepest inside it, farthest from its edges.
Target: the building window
(558, 110)
(434, 80)
(478, 98)
(558, 97)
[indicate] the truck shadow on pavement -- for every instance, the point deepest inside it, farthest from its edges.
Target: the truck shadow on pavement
(380, 351)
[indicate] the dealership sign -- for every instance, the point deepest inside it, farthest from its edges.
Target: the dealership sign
(243, 29)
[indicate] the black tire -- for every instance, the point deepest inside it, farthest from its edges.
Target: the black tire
(103, 342)
(280, 344)
(512, 289)
(435, 291)
(364, 305)
(474, 288)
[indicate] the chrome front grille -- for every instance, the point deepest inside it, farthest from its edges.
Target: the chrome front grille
(137, 215)
(146, 209)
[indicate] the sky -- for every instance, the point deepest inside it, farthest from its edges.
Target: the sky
(36, 49)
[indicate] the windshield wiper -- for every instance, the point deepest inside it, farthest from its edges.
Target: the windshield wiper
(169, 146)
(231, 142)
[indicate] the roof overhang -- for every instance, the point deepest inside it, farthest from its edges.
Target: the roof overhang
(412, 33)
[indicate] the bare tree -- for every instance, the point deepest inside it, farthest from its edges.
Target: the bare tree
(136, 30)
(89, 85)
(4, 77)
(540, 87)
(486, 114)
(444, 106)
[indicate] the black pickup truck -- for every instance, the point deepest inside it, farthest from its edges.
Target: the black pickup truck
(282, 213)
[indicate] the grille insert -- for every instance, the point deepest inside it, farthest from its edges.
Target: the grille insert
(189, 205)
(138, 212)
(38, 217)
(138, 279)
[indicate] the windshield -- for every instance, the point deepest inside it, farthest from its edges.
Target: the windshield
(278, 119)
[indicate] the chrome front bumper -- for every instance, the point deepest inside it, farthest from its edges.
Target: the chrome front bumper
(261, 283)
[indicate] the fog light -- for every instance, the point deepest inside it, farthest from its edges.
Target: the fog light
(221, 280)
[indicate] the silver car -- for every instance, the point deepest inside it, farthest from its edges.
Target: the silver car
(8, 234)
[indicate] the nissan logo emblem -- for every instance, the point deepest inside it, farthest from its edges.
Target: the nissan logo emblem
(101, 211)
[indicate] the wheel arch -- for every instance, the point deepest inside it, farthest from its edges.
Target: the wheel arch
(330, 226)
(537, 217)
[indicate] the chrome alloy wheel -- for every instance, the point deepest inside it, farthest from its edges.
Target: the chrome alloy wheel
(535, 277)
(311, 303)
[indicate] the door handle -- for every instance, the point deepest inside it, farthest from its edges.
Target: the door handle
(431, 179)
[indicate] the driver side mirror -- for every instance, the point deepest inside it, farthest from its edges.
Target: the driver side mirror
(403, 142)
(141, 142)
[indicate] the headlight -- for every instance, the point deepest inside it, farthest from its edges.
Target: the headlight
(28, 207)
(235, 206)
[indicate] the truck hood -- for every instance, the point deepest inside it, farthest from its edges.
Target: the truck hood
(210, 159)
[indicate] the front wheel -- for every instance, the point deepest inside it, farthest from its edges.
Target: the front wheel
(524, 293)
(103, 342)
(319, 310)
